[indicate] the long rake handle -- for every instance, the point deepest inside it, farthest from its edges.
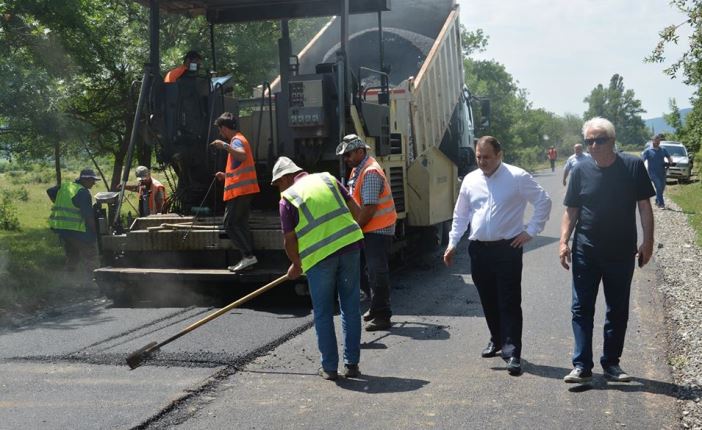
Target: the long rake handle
(224, 310)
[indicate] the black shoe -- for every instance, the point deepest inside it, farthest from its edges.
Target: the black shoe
(351, 371)
(490, 350)
(578, 376)
(367, 316)
(378, 324)
(514, 366)
(329, 375)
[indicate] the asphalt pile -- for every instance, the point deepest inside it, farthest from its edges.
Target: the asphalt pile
(680, 281)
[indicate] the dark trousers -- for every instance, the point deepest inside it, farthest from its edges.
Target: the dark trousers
(375, 273)
(80, 256)
(236, 222)
(616, 277)
(496, 269)
(553, 164)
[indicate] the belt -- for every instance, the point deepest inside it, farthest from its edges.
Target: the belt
(501, 242)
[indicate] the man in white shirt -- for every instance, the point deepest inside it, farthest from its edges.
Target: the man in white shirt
(492, 200)
(577, 157)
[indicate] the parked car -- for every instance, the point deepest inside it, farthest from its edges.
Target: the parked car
(681, 168)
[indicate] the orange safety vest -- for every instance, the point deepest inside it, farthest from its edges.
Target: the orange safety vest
(552, 153)
(156, 186)
(174, 74)
(385, 214)
(242, 180)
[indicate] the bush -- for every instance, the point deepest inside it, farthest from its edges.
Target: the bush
(20, 194)
(8, 214)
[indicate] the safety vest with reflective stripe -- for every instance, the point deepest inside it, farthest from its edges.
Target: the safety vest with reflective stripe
(64, 214)
(242, 180)
(385, 214)
(155, 188)
(325, 222)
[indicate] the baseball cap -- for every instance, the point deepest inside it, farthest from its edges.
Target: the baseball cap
(349, 143)
(284, 166)
(88, 174)
(141, 172)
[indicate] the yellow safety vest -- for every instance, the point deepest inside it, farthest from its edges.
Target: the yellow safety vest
(64, 214)
(325, 224)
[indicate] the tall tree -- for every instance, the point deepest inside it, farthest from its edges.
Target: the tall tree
(620, 106)
(674, 119)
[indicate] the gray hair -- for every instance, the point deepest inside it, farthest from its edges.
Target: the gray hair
(599, 123)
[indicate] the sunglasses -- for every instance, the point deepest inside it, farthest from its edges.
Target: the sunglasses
(597, 140)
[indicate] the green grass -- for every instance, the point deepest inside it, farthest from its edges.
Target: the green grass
(689, 198)
(31, 259)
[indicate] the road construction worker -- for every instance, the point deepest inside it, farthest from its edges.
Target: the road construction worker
(371, 191)
(552, 154)
(73, 220)
(323, 240)
(191, 63)
(240, 185)
(152, 194)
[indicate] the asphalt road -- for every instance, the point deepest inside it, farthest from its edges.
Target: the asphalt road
(256, 367)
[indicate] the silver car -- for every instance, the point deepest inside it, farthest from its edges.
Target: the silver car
(681, 168)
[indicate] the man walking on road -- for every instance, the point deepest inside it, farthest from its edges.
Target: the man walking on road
(73, 220)
(323, 240)
(552, 154)
(601, 202)
(492, 200)
(573, 160)
(656, 156)
(240, 184)
(371, 191)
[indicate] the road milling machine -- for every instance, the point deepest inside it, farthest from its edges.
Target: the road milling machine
(390, 71)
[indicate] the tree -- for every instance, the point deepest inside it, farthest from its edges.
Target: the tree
(620, 106)
(674, 119)
(689, 65)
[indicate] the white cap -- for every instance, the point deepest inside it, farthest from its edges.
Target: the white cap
(141, 172)
(284, 166)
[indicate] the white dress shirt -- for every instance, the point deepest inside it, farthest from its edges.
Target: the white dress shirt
(494, 206)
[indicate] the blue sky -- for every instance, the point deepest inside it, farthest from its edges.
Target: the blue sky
(559, 50)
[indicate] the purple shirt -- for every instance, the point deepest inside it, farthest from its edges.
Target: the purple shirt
(290, 217)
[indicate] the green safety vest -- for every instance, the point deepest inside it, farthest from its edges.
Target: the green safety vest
(326, 224)
(64, 214)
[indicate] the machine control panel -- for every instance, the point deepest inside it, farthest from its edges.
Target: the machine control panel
(306, 104)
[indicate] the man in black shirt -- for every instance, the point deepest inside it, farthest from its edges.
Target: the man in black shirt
(601, 201)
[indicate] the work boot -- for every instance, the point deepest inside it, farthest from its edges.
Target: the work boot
(243, 264)
(378, 324)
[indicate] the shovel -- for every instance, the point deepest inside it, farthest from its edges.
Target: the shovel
(136, 358)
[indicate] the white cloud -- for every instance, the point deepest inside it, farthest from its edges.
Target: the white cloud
(560, 50)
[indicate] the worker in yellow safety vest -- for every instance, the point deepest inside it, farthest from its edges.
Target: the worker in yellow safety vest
(73, 220)
(371, 191)
(323, 240)
(240, 185)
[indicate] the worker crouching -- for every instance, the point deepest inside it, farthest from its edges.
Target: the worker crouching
(323, 240)
(152, 194)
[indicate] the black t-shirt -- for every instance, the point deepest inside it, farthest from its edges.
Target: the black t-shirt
(607, 200)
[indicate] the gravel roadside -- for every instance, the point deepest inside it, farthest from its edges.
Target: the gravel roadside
(679, 261)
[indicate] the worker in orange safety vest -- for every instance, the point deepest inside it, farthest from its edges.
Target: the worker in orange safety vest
(371, 191)
(191, 63)
(240, 185)
(152, 194)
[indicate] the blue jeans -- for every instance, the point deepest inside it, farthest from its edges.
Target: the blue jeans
(659, 185)
(337, 274)
(616, 277)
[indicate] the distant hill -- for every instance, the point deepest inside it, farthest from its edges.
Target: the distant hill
(658, 125)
